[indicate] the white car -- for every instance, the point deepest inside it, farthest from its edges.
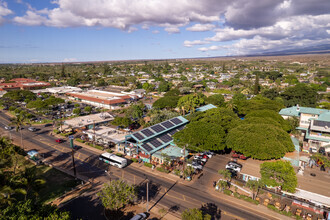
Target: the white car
(208, 153)
(233, 167)
(32, 129)
(8, 127)
(198, 157)
(140, 216)
(195, 166)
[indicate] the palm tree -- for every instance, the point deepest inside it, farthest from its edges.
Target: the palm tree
(222, 185)
(226, 174)
(19, 122)
(254, 185)
(29, 179)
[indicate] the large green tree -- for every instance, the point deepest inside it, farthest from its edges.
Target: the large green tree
(260, 141)
(217, 100)
(135, 111)
(207, 130)
(163, 86)
(300, 94)
(117, 194)
(243, 107)
(168, 102)
(268, 115)
(20, 95)
(189, 103)
(122, 121)
(194, 214)
(279, 173)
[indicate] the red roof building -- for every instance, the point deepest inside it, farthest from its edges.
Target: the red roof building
(23, 84)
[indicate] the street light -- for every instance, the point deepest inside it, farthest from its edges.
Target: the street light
(147, 193)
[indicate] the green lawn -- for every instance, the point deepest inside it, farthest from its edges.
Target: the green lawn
(57, 183)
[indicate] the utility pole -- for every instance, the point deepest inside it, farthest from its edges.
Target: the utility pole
(72, 154)
(94, 138)
(147, 195)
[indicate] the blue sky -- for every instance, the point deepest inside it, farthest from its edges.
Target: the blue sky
(98, 30)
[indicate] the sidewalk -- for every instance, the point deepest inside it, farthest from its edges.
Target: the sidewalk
(249, 207)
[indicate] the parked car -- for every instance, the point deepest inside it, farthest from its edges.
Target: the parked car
(231, 165)
(9, 127)
(199, 162)
(59, 140)
(140, 216)
(195, 165)
(235, 164)
(208, 153)
(238, 155)
(198, 157)
(32, 129)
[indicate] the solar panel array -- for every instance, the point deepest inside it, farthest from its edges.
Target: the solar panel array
(147, 147)
(147, 132)
(321, 123)
(167, 124)
(155, 143)
(138, 136)
(176, 121)
(157, 128)
(165, 138)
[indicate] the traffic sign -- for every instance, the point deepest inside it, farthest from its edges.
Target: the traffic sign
(71, 137)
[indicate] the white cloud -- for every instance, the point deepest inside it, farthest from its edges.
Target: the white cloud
(172, 30)
(273, 22)
(155, 31)
(68, 60)
(188, 43)
(122, 13)
(4, 11)
(201, 27)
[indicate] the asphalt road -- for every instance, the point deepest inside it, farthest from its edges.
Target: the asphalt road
(163, 191)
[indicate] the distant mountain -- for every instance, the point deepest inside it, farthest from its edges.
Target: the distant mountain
(320, 49)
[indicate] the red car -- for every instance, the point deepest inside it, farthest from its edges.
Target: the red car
(59, 140)
(238, 155)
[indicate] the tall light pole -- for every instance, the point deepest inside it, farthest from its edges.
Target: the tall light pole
(147, 194)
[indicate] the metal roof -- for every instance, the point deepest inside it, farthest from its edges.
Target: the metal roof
(156, 137)
(296, 111)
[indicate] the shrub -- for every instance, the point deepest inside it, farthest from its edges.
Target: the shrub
(148, 165)
(119, 154)
(79, 140)
(227, 192)
(162, 169)
(177, 172)
(56, 131)
(135, 160)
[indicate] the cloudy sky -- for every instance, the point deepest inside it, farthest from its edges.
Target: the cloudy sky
(96, 30)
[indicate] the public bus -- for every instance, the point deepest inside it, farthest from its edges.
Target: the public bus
(113, 160)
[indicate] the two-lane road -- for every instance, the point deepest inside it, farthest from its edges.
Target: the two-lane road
(167, 193)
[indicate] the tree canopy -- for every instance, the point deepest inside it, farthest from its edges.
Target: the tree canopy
(216, 99)
(135, 111)
(300, 94)
(207, 130)
(168, 102)
(243, 107)
(20, 95)
(260, 141)
(279, 173)
(116, 194)
(164, 86)
(122, 121)
(189, 103)
(194, 214)
(268, 116)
